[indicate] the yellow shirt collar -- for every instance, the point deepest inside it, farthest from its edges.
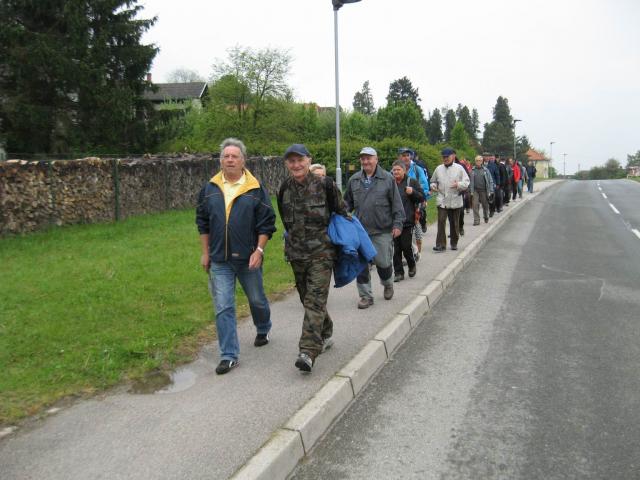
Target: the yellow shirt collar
(241, 181)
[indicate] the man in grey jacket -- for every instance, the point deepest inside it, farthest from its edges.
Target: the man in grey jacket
(481, 188)
(373, 197)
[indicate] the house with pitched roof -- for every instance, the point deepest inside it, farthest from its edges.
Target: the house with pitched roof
(541, 163)
(177, 96)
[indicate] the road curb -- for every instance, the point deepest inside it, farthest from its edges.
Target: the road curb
(275, 459)
(394, 333)
(315, 417)
(278, 457)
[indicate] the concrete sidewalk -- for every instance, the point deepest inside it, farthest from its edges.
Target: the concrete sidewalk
(258, 420)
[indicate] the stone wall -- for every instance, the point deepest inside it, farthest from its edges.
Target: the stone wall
(37, 194)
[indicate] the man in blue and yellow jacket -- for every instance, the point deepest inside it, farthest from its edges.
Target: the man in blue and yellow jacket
(235, 220)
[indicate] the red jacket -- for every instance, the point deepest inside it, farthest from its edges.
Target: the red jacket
(516, 172)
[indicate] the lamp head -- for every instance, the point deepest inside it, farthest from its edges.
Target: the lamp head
(337, 4)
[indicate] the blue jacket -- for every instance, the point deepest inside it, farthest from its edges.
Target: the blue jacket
(415, 171)
(495, 173)
(355, 249)
(233, 231)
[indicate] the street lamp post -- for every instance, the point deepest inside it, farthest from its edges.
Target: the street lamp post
(337, 4)
(564, 165)
(515, 155)
(550, 157)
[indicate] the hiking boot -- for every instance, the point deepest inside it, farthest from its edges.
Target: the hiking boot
(365, 302)
(412, 271)
(261, 340)
(327, 343)
(486, 220)
(416, 256)
(462, 232)
(454, 247)
(476, 223)
(388, 292)
(304, 362)
(439, 249)
(225, 365)
(398, 277)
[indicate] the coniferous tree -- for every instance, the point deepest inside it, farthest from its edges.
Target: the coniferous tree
(475, 122)
(502, 113)
(449, 123)
(522, 147)
(433, 127)
(498, 135)
(464, 117)
(363, 100)
(402, 90)
(72, 75)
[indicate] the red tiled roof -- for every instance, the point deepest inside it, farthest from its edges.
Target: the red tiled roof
(535, 156)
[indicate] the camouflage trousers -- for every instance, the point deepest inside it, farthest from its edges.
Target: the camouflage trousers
(313, 278)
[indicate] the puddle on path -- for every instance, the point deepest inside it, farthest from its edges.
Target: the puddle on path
(162, 382)
(182, 379)
(150, 383)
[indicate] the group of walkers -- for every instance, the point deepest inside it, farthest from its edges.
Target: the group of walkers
(382, 216)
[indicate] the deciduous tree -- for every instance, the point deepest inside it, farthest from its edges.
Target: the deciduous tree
(402, 119)
(633, 160)
(184, 75)
(263, 72)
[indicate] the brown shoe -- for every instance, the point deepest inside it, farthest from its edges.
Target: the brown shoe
(365, 302)
(388, 292)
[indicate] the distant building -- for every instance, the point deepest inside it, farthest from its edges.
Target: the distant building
(633, 171)
(541, 163)
(176, 96)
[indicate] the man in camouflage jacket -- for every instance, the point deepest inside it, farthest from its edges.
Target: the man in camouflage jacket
(306, 202)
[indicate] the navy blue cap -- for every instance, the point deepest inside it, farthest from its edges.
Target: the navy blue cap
(298, 149)
(405, 149)
(447, 151)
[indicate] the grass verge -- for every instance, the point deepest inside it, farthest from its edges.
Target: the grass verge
(85, 307)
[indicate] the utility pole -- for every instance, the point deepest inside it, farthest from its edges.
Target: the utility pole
(337, 4)
(515, 155)
(550, 157)
(564, 166)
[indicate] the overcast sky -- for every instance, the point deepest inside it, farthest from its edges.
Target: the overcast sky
(569, 68)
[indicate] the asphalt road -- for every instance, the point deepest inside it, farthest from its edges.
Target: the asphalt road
(527, 368)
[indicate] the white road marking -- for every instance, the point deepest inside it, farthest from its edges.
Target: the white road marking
(635, 230)
(599, 188)
(614, 208)
(604, 196)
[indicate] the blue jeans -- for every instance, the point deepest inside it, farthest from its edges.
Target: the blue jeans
(530, 185)
(222, 285)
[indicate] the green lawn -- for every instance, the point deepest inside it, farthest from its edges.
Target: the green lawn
(85, 307)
